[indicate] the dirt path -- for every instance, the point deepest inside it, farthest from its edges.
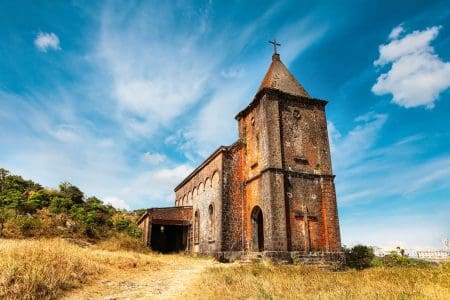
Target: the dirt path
(166, 283)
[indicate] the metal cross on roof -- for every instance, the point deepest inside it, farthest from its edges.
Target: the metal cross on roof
(275, 44)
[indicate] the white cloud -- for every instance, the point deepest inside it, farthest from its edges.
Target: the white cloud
(46, 41)
(116, 202)
(417, 75)
(395, 33)
(155, 79)
(153, 158)
(157, 184)
(232, 72)
(415, 42)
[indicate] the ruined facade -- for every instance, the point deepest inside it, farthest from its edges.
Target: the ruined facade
(271, 192)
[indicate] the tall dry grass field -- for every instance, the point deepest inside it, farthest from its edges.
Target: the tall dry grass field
(43, 269)
(267, 281)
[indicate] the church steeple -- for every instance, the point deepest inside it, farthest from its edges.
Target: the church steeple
(278, 77)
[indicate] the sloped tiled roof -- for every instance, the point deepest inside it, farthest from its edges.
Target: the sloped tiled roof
(278, 77)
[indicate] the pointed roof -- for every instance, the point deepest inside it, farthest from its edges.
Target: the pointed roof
(278, 77)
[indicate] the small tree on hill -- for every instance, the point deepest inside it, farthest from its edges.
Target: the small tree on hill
(359, 257)
(72, 192)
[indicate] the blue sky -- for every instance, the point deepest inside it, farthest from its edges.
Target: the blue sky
(124, 99)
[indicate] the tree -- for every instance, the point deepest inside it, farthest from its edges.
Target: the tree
(37, 200)
(14, 191)
(60, 204)
(72, 192)
(359, 257)
(3, 174)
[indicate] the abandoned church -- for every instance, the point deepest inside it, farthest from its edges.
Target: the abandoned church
(272, 192)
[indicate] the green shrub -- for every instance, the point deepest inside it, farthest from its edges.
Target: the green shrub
(134, 231)
(27, 225)
(122, 224)
(359, 257)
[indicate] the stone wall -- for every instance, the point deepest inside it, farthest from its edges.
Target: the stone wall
(204, 192)
(305, 146)
(232, 198)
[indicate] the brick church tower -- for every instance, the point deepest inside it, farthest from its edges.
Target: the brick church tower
(271, 192)
(289, 194)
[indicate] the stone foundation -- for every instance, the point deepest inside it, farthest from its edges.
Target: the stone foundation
(334, 259)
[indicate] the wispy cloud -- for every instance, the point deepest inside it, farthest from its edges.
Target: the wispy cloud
(370, 172)
(47, 41)
(384, 185)
(417, 75)
(153, 158)
(58, 147)
(155, 78)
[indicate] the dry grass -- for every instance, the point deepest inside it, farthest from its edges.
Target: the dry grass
(267, 281)
(47, 268)
(43, 269)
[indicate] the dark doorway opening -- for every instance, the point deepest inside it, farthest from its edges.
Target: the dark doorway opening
(257, 229)
(169, 238)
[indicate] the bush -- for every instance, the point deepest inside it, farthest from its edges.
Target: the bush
(122, 224)
(28, 226)
(359, 257)
(134, 231)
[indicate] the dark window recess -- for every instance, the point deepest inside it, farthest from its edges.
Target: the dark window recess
(301, 160)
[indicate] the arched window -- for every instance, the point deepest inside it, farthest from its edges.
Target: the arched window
(212, 222)
(194, 194)
(215, 179)
(196, 227)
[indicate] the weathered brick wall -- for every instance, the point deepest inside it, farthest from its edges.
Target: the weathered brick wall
(305, 149)
(301, 192)
(203, 190)
(305, 140)
(272, 187)
(232, 199)
(330, 215)
(260, 132)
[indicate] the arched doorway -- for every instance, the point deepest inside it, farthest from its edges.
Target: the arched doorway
(257, 229)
